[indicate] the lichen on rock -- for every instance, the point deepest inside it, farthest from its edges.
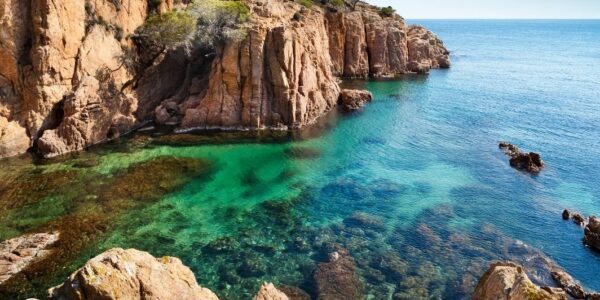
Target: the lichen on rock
(131, 274)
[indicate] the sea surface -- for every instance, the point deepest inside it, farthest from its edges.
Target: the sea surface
(413, 186)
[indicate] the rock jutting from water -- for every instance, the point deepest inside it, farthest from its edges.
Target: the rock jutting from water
(131, 274)
(530, 162)
(65, 87)
(508, 281)
(576, 217)
(354, 99)
(592, 233)
(18, 253)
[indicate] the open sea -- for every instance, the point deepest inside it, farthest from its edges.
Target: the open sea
(413, 186)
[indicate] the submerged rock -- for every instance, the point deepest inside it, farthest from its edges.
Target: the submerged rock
(508, 281)
(131, 274)
(364, 220)
(18, 253)
(336, 279)
(294, 293)
(269, 292)
(149, 180)
(354, 99)
(592, 233)
(302, 153)
(530, 162)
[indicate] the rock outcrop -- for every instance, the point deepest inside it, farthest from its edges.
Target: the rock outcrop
(268, 292)
(530, 162)
(425, 51)
(131, 274)
(18, 253)
(508, 281)
(336, 279)
(64, 85)
(354, 99)
(592, 233)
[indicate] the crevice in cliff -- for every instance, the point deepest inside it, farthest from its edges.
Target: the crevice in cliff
(53, 120)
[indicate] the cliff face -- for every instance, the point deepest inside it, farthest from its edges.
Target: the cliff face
(64, 85)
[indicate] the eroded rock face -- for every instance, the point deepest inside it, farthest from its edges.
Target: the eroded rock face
(508, 281)
(131, 274)
(13, 138)
(336, 279)
(279, 76)
(354, 99)
(63, 86)
(425, 51)
(18, 253)
(51, 54)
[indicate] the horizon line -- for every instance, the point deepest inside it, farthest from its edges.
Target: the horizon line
(505, 18)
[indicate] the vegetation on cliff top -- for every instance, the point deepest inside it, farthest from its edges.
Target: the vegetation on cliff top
(203, 24)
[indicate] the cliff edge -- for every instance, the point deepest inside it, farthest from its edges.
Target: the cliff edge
(66, 82)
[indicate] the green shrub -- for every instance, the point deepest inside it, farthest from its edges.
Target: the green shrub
(387, 11)
(219, 21)
(168, 30)
(333, 3)
(306, 3)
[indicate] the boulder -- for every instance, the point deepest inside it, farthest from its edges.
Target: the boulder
(578, 219)
(354, 99)
(566, 215)
(336, 279)
(530, 162)
(18, 253)
(269, 292)
(567, 282)
(13, 138)
(508, 281)
(131, 274)
(592, 233)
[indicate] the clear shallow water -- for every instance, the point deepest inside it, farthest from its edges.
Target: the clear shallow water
(414, 186)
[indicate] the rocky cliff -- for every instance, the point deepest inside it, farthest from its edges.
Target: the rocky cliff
(65, 84)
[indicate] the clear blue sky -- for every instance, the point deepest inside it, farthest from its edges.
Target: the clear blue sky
(494, 9)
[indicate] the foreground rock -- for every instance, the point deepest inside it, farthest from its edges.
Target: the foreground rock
(530, 162)
(336, 279)
(131, 274)
(18, 253)
(592, 233)
(508, 281)
(354, 99)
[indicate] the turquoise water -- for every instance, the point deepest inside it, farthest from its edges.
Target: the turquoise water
(414, 186)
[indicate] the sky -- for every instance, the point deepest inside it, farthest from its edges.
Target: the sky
(494, 9)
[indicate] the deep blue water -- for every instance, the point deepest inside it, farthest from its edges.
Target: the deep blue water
(420, 163)
(536, 84)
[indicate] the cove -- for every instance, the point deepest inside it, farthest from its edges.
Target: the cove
(413, 185)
